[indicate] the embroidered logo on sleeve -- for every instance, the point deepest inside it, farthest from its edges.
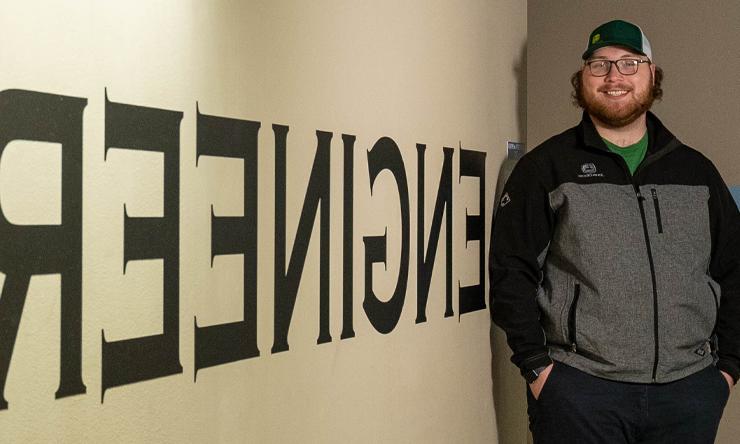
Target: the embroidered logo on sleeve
(505, 199)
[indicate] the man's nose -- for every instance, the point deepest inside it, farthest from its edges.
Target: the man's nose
(613, 73)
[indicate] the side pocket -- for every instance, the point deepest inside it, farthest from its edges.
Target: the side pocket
(725, 385)
(572, 318)
(548, 386)
(712, 342)
(656, 203)
(716, 306)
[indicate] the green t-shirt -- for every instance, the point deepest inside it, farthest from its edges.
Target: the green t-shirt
(633, 154)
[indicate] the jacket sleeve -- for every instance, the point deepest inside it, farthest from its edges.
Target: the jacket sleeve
(725, 269)
(522, 230)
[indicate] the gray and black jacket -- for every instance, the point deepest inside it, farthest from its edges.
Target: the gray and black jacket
(629, 278)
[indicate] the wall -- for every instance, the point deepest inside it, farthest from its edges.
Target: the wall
(693, 43)
(158, 156)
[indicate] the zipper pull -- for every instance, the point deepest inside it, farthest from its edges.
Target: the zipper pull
(573, 347)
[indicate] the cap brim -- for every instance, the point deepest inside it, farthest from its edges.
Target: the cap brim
(591, 49)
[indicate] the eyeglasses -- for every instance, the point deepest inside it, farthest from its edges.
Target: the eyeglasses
(627, 67)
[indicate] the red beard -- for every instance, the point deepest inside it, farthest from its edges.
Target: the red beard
(613, 114)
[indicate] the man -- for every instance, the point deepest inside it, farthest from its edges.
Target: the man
(615, 266)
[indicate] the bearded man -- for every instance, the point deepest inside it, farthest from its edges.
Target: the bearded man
(615, 266)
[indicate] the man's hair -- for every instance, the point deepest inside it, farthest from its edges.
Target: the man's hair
(577, 93)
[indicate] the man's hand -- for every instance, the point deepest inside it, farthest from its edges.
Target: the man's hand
(728, 378)
(538, 383)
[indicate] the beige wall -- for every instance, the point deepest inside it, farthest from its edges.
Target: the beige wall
(694, 43)
(441, 73)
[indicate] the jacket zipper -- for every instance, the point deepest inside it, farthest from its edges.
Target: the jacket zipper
(670, 146)
(657, 210)
(572, 318)
(640, 202)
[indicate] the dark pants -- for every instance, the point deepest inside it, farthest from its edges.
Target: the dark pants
(575, 407)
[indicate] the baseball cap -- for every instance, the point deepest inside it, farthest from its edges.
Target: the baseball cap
(618, 33)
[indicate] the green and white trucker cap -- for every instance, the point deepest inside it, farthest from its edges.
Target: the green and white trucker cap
(618, 33)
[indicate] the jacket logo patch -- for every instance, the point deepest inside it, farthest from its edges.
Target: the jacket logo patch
(701, 351)
(505, 199)
(589, 170)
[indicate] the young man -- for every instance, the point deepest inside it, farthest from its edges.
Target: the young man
(615, 266)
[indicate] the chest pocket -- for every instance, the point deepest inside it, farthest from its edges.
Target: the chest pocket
(678, 219)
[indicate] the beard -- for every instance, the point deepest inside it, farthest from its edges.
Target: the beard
(617, 115)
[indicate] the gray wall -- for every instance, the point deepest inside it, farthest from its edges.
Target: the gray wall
(694, 42)
(696, 45)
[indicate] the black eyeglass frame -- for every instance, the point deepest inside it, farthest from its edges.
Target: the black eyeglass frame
(615, 63)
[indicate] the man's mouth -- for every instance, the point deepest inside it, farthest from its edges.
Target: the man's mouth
(616, 92)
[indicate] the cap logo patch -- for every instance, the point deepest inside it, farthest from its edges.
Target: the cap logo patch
(596, 38)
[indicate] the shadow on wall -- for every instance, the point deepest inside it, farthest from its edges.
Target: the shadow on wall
(509, 390)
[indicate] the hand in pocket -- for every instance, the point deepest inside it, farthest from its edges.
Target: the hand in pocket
(539, 383)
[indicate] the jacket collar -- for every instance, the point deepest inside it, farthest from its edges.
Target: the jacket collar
(659, 138)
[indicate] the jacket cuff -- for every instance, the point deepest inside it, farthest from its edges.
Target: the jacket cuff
(535, 362)
(730, 368)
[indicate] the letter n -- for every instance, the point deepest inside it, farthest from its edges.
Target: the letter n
(425, 264)
(317, 195)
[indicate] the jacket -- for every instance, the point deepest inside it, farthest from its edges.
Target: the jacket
(631, 278)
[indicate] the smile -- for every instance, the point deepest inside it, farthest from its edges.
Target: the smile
(617, 92)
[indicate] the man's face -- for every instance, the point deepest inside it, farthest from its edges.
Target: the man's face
(617, 99)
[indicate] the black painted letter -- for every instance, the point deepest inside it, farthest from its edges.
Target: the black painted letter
(425, 266)
(473, 164)
(27, 250)
(384, 316)
(148, 129)
(234, 341)
(348, 238)
(317, 193)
